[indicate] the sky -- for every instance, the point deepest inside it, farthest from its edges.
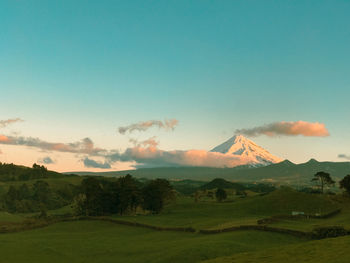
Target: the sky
(195, 72)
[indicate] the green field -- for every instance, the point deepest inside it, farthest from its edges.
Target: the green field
(202, 215)
(24, 237)
(94, 241)
(99, 241)
(335, 250)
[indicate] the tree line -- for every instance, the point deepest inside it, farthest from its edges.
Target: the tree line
(37, 197)
(93, 197)
(126, 194)
(11, 172)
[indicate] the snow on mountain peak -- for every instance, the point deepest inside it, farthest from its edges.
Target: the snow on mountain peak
(249, 152)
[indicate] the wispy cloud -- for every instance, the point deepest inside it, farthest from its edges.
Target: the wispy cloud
(5, 123)
(95, 164)
(344, 156)
(145, 125)
(85, 146)
(309, 129)
(149, 142)
(46, 160)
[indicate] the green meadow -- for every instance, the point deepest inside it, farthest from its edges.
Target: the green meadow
(212, 214)
(335, 250)
(94, 241)
(140, 235)
(99, 241)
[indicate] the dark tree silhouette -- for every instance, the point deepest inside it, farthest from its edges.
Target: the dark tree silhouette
(41, 191)
(345, 183)
(128, 193)
(156, 193)
(324, 179)
(220, 194)
(92, 189)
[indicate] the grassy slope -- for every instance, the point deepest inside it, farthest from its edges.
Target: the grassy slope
(92, 241)
(342, 219)
(335, 250)
(185, 212)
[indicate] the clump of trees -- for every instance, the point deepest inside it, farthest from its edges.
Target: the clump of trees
(37, 197)
(220, 194)
(103, 197)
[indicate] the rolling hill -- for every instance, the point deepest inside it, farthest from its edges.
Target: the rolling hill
(284, 172)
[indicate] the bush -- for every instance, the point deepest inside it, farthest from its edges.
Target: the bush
(329, 231)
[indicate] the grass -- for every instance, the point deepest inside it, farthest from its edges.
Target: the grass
(98, 241)
(185, 212)
(8, 217)
(335, 250)
(341, 219)
(94, 241)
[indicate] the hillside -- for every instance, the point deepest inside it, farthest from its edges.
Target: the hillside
(222, 183)
(284, 172)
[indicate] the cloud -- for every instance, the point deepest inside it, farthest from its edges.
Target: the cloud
(344, 156)
(85, 146)
(309, 129)
(143, 126)
(95, 164)
(152, 156)
(46, 160)
(5, 123)
(149, 142)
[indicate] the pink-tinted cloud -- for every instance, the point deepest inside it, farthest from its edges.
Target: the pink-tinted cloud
(145, 125)
(85, 146)
(309, 129)
(152, 156)
(149, 142)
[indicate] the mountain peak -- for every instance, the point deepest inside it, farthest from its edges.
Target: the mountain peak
(247, 151)
(312, 160)
(286, 161)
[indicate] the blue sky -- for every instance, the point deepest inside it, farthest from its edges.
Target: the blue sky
(76, 69)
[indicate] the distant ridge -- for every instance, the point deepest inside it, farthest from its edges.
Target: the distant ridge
(284, 172)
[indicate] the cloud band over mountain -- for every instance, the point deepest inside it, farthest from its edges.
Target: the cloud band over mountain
(152, 156)
(143, 126)
(283, 128)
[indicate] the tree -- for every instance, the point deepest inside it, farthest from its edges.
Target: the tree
(10, 199)
(128, 193)
(345, 183)
(324, 179)
(220, 194)
(24, 192)
(41, 191)
(156, 193)
(92, 190)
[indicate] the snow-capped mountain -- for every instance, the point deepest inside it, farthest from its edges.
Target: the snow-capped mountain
(247, 151)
